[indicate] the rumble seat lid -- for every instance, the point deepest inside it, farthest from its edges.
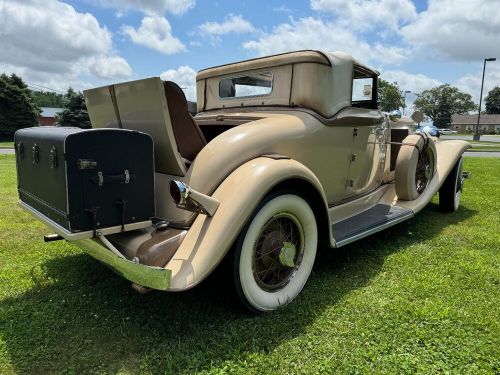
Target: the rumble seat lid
(138, 105)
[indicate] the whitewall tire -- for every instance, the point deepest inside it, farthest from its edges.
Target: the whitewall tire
(451, 190)
(275, 252)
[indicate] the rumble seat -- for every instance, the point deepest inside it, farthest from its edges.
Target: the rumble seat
(189, 138)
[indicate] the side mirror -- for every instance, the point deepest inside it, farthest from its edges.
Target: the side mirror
(395, 115)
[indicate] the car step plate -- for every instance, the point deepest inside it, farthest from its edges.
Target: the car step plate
(373, 220)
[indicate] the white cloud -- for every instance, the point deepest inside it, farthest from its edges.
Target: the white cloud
(415, 83)
(471, 83)
(50, 42)
(231, 24)
(155, 32)
(49, 37)
(313, 33)
(365, 14)
(185, 77)
(111, 67)
(51, 81)
(282, 9)
(457, 29)
(150, 6)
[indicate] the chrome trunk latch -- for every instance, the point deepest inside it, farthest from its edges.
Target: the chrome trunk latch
(127, 176)
(86, 164)
(100, 177)
(36, 154)
(53, 157)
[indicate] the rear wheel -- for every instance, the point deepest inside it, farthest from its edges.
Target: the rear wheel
(275, 252)
(451, 191)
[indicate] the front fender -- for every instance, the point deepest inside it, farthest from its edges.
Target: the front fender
(447, 154)
(210, 238)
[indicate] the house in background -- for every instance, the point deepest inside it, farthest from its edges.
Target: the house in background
(48, 116)
(489, 124)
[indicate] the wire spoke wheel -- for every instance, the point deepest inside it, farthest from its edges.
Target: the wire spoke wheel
(424, 170)
(278, 251)
(275, 252)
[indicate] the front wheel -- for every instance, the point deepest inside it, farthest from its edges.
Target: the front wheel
(275, 252)
(451, 191)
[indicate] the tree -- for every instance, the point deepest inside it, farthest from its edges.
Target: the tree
(17, 109)
(439, 103)
(48, 99)
(389, 96)
(492, 101)
(75, 111)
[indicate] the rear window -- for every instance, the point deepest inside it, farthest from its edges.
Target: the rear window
(241, 86)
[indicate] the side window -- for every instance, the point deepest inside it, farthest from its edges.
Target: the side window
(249, 85)
(364, 89)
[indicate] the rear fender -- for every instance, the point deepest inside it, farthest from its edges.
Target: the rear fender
(210, 238)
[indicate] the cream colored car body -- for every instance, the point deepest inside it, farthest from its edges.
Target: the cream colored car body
(305, 135)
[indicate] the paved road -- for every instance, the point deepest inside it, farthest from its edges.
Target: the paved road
(484, 138)
(480, 154)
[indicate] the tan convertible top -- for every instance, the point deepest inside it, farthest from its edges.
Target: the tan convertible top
(306, 56)
(303, 56)
(321, 81)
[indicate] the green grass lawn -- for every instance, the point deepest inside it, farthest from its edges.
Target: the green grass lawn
(6, 144)
(421, 297)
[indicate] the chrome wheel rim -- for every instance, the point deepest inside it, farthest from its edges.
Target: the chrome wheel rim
(425, 169)
(278, 252)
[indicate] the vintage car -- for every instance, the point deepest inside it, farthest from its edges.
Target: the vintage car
(287, 154)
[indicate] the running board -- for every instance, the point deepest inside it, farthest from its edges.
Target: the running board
(375, 219)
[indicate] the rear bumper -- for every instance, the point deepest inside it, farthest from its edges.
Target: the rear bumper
(148, 276)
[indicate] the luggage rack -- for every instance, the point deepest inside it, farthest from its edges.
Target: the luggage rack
(73, 236)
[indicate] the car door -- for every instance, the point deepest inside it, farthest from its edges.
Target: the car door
(369, 129)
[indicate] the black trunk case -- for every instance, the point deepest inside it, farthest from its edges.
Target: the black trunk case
(86, 179)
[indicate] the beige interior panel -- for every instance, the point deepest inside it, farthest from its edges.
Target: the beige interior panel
(142, 106)
(100, 107)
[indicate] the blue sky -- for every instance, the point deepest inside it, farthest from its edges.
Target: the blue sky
(87, 43)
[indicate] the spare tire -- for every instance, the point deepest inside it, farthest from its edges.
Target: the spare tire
(415, 166)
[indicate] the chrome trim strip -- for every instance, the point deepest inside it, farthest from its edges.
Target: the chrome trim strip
(381, 227)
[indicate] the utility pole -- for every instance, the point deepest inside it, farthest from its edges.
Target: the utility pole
(404, 100)
(477, 136)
